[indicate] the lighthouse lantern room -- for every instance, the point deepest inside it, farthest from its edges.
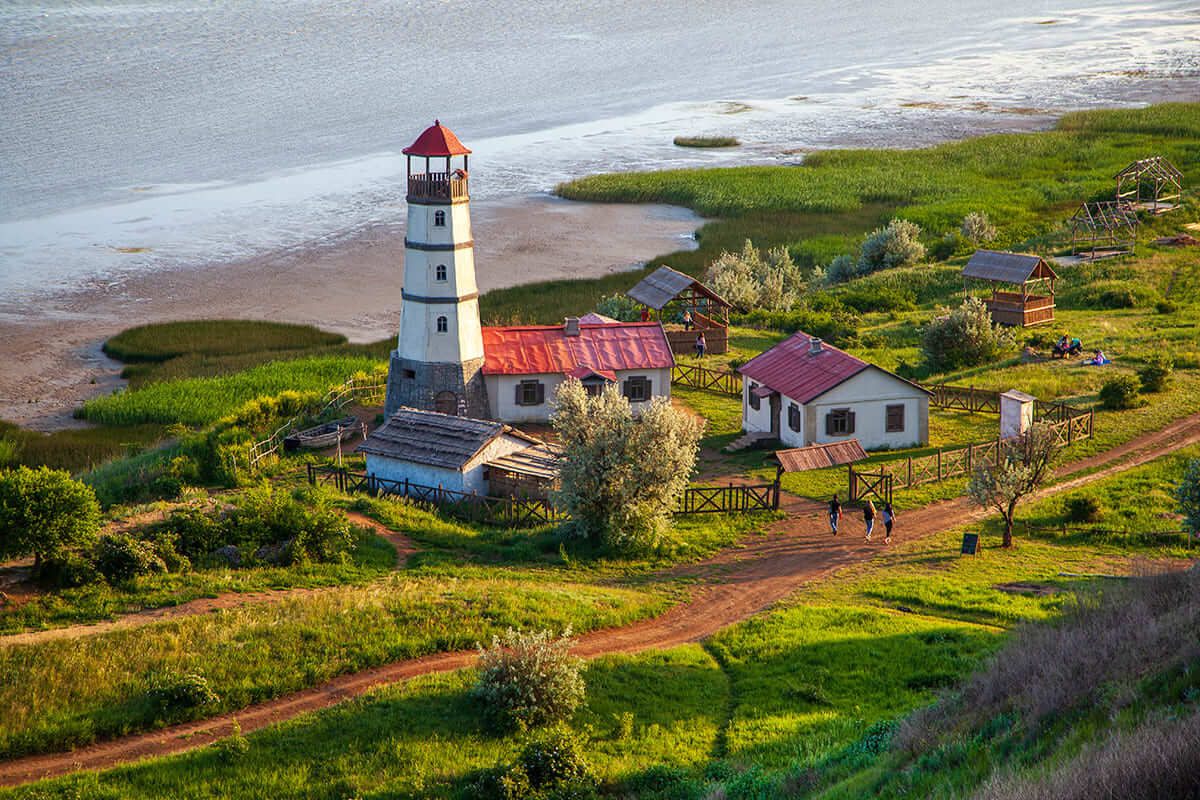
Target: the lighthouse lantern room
(437, 361)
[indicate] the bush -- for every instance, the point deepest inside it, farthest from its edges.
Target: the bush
(748, 280)
(977, 227)
(895, 245)
(619, 307)
(1112, 294)
(1121, 392)
(1157, 372)
(1166, 306)
(1083, 508)
(182, 693)
(120, 557)
(528, 679)
(879, 298)
(45, 512)
(834, 327)
(965, 337)
(267, 516)
(841, 269)
(1187, 496)
(68, 571)
(550, 767)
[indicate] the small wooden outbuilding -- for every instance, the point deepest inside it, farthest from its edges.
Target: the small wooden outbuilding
(1150, 185)
(669, 293)
(1020, 308)
(1103, 229)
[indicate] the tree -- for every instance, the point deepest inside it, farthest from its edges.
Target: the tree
(748, 280)
(1024, 464)
(44, 512)
(1187, 494)
(965, 337)
(620, 477)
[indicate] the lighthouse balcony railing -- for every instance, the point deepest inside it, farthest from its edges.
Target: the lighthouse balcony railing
(437, 186)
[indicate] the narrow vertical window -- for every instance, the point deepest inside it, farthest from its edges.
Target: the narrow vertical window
(441, 272)
(439, 219)
(442, 325)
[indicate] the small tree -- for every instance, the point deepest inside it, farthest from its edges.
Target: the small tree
(1157, 373)
(965, 337)
(1121, 392)
(1024, 463)
(45, 512)
(528, 679)
(895, 245)
(619, 307)
(977, 227)
(748, 280)
(1187, 495)
(620, 477)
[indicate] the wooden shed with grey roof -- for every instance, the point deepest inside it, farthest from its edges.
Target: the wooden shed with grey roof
(1020, 308)
(669, 294)
(426, 448)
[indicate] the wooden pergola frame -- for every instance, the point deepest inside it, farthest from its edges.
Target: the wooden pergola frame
(1111, 224)
(1157, 175)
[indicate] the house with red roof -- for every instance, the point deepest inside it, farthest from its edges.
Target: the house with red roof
(524, 364)
(804, 391)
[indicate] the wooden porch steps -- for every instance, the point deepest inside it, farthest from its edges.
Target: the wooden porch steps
(747, 440)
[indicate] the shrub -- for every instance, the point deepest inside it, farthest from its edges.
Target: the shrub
(894, 245)
(1157, 372)
(267, 516)
(196, 534)
(1083, 508)
(965, 337)
(748, 280)
(45, 512)
(977, 227)
(1166, 306)
(879, 298)
(620, 477)
(841, 269)
(835, 327)
(234, 746)
(528, 679)
(619, 307)
(120, 557)
(69, 570)
(181, 693)
(1120, 392)
(1187, 496)
(549, 767)
(1112, 294)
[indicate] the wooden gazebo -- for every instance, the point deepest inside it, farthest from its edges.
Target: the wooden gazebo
(669, 293)
(1020, 308)
(1150, 184)
(1104, 229)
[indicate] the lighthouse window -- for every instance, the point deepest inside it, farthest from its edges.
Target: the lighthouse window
(441, 272)
(442, 325)
(439, 219)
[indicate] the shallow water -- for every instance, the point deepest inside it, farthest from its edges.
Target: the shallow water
(140, 135)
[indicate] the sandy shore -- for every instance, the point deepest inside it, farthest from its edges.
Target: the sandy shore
(50, 358)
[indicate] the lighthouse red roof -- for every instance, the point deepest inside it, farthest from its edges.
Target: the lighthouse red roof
(436, 140)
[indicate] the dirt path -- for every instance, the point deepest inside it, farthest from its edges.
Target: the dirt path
(742, 582)
(205, 605)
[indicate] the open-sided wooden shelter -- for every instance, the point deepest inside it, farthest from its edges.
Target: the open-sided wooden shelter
(1020, 308)
(669, 293)
(1104, 229)
(1150, 184)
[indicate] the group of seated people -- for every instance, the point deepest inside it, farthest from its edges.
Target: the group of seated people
(1066, 346)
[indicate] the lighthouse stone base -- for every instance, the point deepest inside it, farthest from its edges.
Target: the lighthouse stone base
(450, 388)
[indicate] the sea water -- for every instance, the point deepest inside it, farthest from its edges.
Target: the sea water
(149, 135)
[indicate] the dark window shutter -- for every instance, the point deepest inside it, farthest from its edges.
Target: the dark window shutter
(850, 423)
(520, 395)
(829, 424)
(649, 392)
(625, 388)
(541, 393)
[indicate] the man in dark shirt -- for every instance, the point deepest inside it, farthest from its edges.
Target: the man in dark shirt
(835, 514)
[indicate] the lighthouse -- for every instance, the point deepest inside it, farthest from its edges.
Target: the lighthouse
(438, 357)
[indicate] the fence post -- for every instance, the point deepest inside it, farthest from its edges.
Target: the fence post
(406, 487)
(909, 484)
(939, 464)
(970, 450)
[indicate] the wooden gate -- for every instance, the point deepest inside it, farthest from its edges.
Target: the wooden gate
(870, 486)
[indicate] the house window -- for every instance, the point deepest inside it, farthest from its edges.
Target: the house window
(839, 422)
(440, 272)
(755, 400)
(895, 419)
(637, 389)
(794, 417)
(594, 388)
(439, 219)
(443, 325)
(531, 393)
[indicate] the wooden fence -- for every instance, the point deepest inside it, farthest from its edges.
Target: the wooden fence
(964, 398)
(528, 511)
(712, 380)
(369, 391)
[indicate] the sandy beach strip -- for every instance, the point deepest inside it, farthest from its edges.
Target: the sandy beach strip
(50, 357)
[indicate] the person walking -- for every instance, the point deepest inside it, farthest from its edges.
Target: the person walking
(889, 517)
(700, 345)
(869, 517)
(687, 320)
(835, 514)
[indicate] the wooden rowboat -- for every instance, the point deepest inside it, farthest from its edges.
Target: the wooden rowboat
(325, 435)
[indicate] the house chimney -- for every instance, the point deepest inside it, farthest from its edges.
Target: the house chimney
(814, 345)
(572, 326)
